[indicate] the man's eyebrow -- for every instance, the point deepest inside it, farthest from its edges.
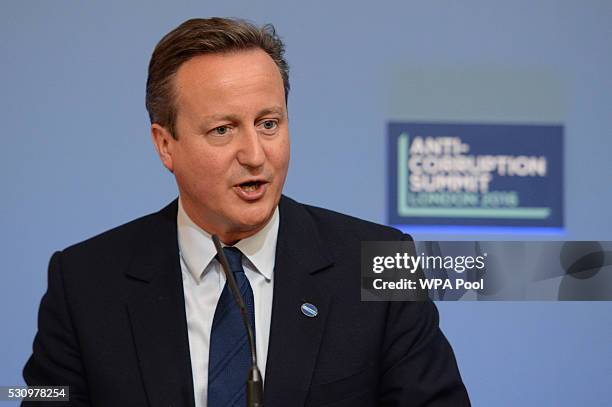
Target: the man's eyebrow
(233, 118)
(221, 117)
(275, 109)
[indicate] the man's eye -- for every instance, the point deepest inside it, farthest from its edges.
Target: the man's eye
(221, 130)
(269, 124)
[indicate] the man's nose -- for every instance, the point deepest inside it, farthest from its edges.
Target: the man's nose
(251, 152)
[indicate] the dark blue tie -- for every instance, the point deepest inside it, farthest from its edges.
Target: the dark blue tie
(230, 357)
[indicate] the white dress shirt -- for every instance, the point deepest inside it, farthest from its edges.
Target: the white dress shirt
(203, 282)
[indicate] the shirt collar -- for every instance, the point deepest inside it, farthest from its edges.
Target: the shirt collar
(198, 250)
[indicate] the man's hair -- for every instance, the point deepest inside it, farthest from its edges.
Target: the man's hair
(200, 36)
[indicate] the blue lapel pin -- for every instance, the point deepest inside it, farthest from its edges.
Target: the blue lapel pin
(309, 310)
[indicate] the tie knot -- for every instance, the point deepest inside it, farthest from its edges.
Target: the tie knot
(234, 259)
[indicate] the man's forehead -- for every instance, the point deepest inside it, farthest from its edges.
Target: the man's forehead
(226, 67)
(237, 76)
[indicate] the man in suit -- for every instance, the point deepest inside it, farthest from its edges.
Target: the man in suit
(140, 315)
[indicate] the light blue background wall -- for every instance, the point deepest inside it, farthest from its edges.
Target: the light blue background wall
(76, 155)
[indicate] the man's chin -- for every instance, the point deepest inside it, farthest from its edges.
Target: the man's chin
(254, 221)
(252, 218)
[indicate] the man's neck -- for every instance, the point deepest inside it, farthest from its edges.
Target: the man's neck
(227, 236)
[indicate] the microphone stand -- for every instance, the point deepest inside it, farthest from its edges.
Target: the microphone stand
(254, 388)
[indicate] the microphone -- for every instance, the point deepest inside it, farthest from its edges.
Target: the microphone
(254, 386)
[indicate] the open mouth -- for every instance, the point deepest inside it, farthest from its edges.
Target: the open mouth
(250, 186)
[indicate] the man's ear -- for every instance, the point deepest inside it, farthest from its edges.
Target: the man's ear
(164, 144)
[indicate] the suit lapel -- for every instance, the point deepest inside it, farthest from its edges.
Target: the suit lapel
(294, 337)
(156, 308)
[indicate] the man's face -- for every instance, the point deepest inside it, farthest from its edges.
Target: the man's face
(231, 157)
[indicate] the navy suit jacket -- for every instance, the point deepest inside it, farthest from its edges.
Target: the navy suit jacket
(112, 323)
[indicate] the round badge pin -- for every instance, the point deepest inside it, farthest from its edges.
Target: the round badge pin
(309, 310)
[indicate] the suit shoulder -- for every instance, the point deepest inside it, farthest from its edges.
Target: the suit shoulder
(330, 221)
(115, 240)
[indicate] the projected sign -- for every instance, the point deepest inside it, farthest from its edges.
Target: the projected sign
(475, 175)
